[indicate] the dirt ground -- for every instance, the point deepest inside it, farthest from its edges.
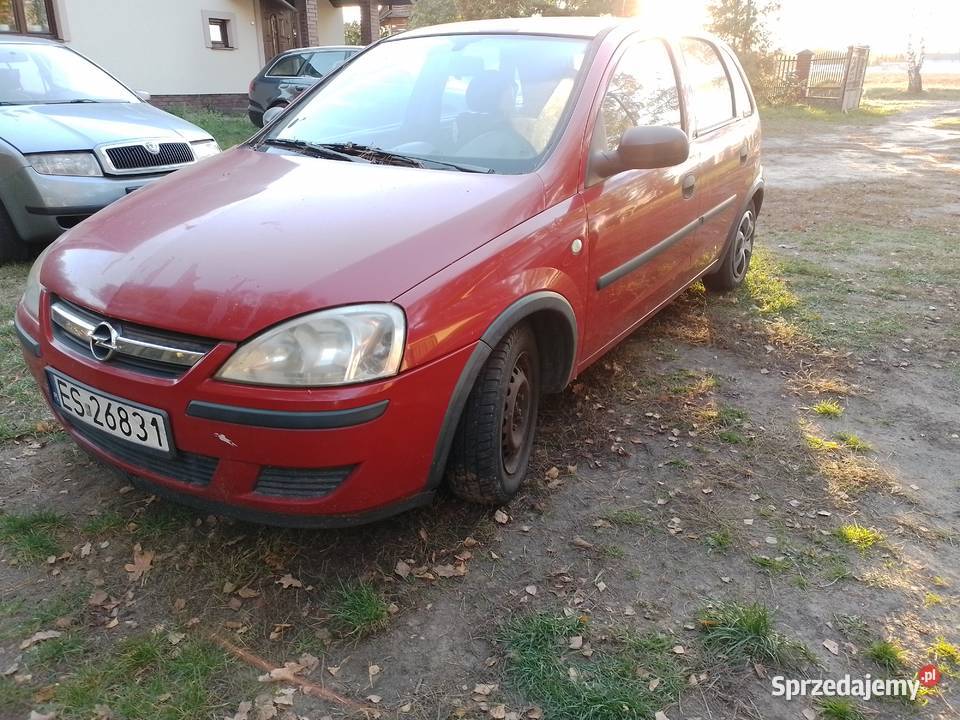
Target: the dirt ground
(737, 449)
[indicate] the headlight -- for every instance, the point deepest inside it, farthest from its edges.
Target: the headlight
(78, 164)
(333, 347)
(204, 149)
(31, 293)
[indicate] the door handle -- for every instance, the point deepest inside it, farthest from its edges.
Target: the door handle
(689, 185)
(744, 153)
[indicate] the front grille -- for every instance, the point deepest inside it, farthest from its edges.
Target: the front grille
(300, 482)
(184, 467)
(137, 157)
(139, 345)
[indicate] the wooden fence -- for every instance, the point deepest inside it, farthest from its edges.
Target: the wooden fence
(832, 79)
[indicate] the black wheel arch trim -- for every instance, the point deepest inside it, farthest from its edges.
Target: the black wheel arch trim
(31, 344)
(498, 329)
(287, 420)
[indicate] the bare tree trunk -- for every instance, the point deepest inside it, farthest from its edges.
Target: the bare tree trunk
(915, 81)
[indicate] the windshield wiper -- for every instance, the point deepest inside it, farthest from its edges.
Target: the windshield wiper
(375, 154)
(75, 101)
(312, 149)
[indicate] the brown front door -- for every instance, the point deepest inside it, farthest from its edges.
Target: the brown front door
(279, 29)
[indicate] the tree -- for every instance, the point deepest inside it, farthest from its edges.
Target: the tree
(915, 57)
(743, 24)
(352, 35)
(434, 12)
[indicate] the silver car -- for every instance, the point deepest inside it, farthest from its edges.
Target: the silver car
(73, 139)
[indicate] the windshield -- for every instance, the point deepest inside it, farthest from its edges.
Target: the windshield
(485, 101)
(50, 74)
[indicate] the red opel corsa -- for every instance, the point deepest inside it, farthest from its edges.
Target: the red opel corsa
(366, 300)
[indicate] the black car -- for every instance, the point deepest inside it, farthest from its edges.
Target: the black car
(292, 72)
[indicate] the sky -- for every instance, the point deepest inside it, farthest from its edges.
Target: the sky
(884, 25)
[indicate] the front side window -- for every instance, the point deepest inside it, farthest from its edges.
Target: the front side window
(642, 91)
(51, 74)
(491, 101)
(322, 64)
(712, 94)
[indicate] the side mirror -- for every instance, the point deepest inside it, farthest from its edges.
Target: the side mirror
(272, 114)
(144, 95)
(644, 148)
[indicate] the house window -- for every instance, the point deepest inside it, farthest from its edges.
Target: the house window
(218, 30)
(32, 17)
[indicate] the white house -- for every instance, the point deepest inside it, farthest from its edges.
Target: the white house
(195, 52)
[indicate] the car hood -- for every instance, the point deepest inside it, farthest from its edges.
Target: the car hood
(248, 239)
(51, 128)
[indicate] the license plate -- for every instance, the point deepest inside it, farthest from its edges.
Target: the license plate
(128, 421)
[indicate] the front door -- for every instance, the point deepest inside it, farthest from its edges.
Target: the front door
(642, 224)
(279, 29)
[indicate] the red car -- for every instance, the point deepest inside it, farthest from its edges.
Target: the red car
(366, 301)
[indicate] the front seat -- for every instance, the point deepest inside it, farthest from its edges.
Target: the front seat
(487, 129)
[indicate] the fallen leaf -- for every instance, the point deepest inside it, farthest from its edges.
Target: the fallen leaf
(142, 563)
(309, 662)
(175, 638)
(40, 637)
(229, 587)
(99, 598)
(498, 712)
(678, 650)
(581, 543)
(86, 549)
(832, 646)
(575, 642)
(34, 715)
(179, 604)
(653, 684)
(484, 689)
(660, 715)
(289, 581)
(287, 673)
(246, 593)
(375, 699)
(530, 589)
(501, 517)
(402, 569)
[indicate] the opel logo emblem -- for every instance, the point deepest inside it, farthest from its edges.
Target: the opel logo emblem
(152, 147)
(103, 342)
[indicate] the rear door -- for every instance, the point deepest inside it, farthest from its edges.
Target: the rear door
(721, 142)
(641, 223)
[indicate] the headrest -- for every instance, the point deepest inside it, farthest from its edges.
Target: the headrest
(491, 92)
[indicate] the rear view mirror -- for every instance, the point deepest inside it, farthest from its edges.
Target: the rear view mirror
(644, 148)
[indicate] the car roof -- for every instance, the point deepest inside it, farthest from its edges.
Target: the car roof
(6, 39)
(321, 48)
(585, 27)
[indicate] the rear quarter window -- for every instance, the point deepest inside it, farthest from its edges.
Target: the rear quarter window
(741, 96)
(288, 66)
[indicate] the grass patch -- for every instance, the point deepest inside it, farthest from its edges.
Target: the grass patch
(828, 408)
(930, 599)
(746, 631)
(777, 565)
(32, 537)
(765, 285)
(839, 709)
(15, 699)
(104, 524)
(613, 552)
(854, 442)
(358, 610)
(948, 123)
(22, 408)
(147, 678)
(57, 651)
(849, 474)
(815, 442)
(617, 683)
(228, 130)
(719, 541)
(858, 536)
(887, 655)
(627, 517)
(731, 437)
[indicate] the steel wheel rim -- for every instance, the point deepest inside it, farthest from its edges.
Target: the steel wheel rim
(743, 248)
(517, 411)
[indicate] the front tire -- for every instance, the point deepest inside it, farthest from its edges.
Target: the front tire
(736, 261)
(491, 449)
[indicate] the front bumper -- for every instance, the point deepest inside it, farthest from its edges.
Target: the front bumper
(369, 447)
(43, 206)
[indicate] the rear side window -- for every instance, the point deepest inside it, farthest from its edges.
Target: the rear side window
(288, 66)
(712, 94)
(740, 94)
(642, 91)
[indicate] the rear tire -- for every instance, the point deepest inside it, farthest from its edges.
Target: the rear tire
(491, 449)
(736, 261)
(12, 248)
